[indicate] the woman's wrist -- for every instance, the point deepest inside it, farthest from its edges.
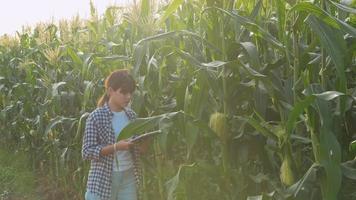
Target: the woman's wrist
(115, 147)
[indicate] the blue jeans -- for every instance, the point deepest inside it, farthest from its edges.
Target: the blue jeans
(123, 187)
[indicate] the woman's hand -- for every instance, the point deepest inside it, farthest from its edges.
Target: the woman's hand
(144, 145)
(123, 145)
(112, 148)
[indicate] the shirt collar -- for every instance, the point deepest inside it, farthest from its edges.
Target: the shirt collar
(107, 109)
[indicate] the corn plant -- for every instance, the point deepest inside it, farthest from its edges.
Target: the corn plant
(254, 99)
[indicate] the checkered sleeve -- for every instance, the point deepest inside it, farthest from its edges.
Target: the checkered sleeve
(91, 147)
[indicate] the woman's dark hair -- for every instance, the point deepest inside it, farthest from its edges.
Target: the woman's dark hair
(118, 79)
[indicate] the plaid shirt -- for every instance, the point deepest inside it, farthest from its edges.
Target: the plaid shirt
(98, 134)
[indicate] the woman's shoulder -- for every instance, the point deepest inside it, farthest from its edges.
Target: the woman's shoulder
(130, 113)
(98, 113)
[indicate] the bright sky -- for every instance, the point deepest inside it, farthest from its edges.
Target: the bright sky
(16, 13)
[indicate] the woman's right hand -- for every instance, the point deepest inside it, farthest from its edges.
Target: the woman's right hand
(112, 148)
(123, 145)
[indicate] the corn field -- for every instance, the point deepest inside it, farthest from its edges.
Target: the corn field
(256, 100)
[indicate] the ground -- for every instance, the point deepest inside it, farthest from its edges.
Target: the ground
(17, 180)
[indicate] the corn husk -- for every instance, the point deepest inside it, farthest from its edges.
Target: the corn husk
(352, 147)
(218, 124)
(286, 173)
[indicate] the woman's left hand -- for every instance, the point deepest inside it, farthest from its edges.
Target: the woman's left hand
(123, 145)
(144, 144)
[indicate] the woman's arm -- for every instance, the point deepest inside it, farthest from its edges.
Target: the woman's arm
(120, 145)
(92, 149)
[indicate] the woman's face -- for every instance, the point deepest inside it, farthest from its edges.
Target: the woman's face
(119, 99)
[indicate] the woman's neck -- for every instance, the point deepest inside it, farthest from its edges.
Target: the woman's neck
(114, 107)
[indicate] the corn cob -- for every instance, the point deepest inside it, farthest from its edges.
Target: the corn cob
(218, 124)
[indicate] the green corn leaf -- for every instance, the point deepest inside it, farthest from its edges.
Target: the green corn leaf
(259, 127)
(330, 157)
(343, 7)
(281, 11)
(349, 169)
(78, 134)
(113, 58)
(140, 125)
(54, 122)
(143, 125)
(258, 197)
(173, 6)
(252, 54)
(77, 60)
(55, 88)
(173, 183)
(251, 71)
(329, 152)
(297, 110)
(145, 8)
(329, 95)
(256, 10)
(295, 188)
(214, 64)
(251, 26)
(316, 11)
(139, 53)
(332, 40)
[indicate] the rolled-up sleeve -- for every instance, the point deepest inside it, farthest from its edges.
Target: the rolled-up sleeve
(91, 146)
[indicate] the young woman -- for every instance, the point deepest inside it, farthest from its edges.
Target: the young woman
(108, 179)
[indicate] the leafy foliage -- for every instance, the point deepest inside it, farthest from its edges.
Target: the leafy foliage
(282, 73)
